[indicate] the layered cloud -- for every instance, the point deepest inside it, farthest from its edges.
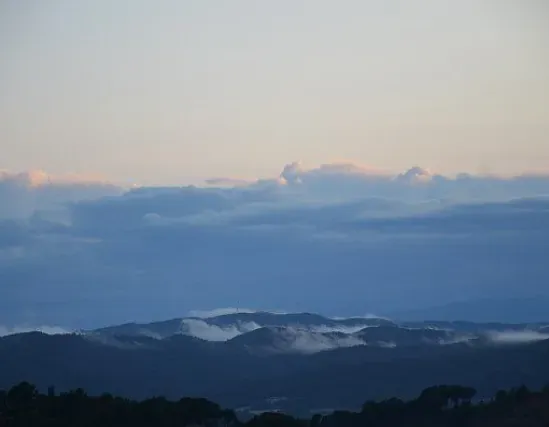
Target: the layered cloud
(338, 239)
(347, 180)
(50, 330)
(517, 337)
(203, 330)
(303, 341)
(23, 194)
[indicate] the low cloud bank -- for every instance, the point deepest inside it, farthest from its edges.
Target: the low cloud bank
(49, 330)
(23, 194)
(201, 329)
(290, 339)
(517, 337)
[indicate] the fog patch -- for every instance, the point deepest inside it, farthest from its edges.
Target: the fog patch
(49, 330)
(200, 329)
(349, 330)
(457, 339)
(517, 337)
(306, 342)
(386, 344)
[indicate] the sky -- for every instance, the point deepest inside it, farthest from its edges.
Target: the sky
(337, 240)
(421, 128)
(179, 91)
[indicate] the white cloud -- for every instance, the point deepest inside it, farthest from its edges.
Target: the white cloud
(326, 329)
(50, 330)
(304, 341)
(23, 194)
(201, 329)
(517, 337)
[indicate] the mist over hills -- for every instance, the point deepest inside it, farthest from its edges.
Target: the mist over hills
(161, 239)
(454, 267)
(312, 333)
(303, 360)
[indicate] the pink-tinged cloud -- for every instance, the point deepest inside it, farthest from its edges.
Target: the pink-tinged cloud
(24, 193)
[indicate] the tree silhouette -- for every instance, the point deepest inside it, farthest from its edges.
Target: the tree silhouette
(441, 405)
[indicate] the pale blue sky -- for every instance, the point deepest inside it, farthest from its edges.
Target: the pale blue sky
(176, 91)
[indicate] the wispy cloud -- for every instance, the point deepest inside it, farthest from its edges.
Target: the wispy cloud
(300, 340)
(326, 329)
(203, 330)
(50, 330)
(304, 341)
(517, 337)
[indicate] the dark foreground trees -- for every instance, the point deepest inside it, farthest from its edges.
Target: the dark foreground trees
(443, 405)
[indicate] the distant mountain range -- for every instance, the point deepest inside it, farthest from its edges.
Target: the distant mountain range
(295, 332)
(295, 362)
(310, 333)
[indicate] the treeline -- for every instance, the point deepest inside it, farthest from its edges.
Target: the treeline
(447, 405)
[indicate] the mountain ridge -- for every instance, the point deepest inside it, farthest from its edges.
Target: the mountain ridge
(142, 367)
(309, 360)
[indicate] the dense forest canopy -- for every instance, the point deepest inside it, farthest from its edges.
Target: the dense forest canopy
(443, 405)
